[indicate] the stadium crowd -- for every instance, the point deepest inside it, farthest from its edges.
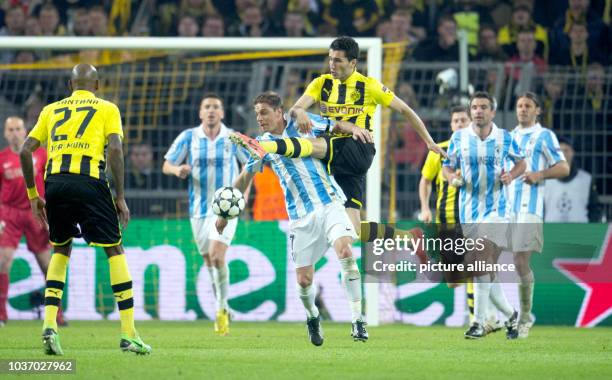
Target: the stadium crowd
(570, 35)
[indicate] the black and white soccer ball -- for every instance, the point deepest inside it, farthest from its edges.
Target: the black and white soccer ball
(228, 202)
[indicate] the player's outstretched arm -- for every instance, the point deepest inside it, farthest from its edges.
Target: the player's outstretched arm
(27, 166)
(299, 114)
(559, 170)
(181, 171)
(416, 123)
(116, 164)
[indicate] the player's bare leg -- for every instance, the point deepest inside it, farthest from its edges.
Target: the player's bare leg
(220, 278)
(521, 260)
(307, 292)
(6, 260)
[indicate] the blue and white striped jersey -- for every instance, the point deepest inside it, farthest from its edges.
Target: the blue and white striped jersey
(305, 181)
(481, 163)
(541, 149)
(213, 165)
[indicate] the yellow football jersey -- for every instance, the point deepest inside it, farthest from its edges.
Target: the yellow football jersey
(353, 100)
(447, 204)
(76, 130)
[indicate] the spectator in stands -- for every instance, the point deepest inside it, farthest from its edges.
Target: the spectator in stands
(418, 10)
(327, 30)
(14, 25)
(311, 11)
(572, 199)
(577, 54)
(98, 19)
(521, 19)
(251, 24)
(49, 21)
(32, 27)
(442, 48)
(140, 171)
(32, 108)
(402, 29)
(188, 26)
(383, 31)
(81, 24)
(526, 53)
(554, 86)
(488, 48)
(214, 26)
(352, 17)
(25, 56)
(469, 15)
(578, 11)
(294, 25)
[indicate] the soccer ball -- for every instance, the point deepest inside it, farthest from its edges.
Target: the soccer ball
(228, 202)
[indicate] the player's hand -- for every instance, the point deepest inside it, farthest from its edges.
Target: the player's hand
(437, 149)
(532, 178)
(506, 178)
(426, 215)
(39, 212)
(220, 224)
(302, 120)
(361, 134)
(183, 171)
(123, 212)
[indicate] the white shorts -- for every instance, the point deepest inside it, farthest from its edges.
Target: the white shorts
(204, 231)
(526, 233)
(313, 234)
(493, 228)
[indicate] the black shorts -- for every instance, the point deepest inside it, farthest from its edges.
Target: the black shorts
(73, 200)
(349, 160)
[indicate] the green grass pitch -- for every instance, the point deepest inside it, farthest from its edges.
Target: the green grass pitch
(190, 350)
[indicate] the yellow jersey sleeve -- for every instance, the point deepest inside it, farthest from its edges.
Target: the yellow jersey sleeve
(432, 166)
(381, 94)
(41, 131)
(113, 121)
(314, 89)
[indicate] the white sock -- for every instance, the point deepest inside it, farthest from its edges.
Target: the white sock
(482, 290)
(526, 296)
(498, 297)
(491, 312)
(221, 281)
(307, 295)
(211, 273)
(351, 279)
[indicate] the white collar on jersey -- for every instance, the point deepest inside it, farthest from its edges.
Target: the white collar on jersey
(494, 129)
(223, 132)
(523, 131)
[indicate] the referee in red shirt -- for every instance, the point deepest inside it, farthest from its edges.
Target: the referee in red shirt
(16, 218)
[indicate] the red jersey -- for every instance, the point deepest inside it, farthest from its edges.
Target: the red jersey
(12, 185)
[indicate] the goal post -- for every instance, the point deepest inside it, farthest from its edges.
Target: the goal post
(372, 46)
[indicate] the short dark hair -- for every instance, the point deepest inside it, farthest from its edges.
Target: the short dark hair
(484, 95)
(212, 95)
(457, 109)
(447, 17)
(348, 45)
(530, 95)
(270, 98)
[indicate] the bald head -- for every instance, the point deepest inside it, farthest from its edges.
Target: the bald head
(14, 132)
(84, 77)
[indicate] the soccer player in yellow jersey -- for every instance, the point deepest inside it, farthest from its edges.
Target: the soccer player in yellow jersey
(77, 130)
(447, 203)
(344, 94)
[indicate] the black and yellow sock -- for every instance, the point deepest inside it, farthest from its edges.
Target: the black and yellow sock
(121, 282)
(293, 147)
(469, 288)
(56, 279)
(372, 230)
